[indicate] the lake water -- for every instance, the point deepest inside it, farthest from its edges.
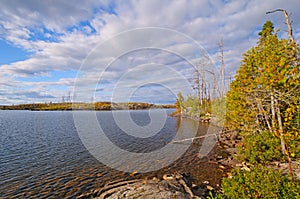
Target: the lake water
(42, 155)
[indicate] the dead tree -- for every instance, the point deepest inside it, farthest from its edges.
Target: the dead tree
(221, 47)
(197, 84)
(288, 23)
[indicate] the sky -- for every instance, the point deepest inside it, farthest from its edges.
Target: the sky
(138, 50)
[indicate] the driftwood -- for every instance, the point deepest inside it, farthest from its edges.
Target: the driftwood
(198, 137)
(186, 188)
(204, 136)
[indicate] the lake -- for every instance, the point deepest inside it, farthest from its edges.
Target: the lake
(43, 155)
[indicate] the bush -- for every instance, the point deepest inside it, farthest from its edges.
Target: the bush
(260, 148)
(260, 182)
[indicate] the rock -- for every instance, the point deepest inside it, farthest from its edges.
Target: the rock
(209, 187)
(219, 157)
(229, 175)
(133, 173)
(231, 150)
(168, 187)
(167, 177)
(245, 168)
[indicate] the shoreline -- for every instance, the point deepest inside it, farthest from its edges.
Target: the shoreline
(203, 176)
(69, 106)
(204, 180)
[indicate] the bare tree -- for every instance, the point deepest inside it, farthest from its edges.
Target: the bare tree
(197, 83)
(200, 84)
(69, 97)
(221, 48)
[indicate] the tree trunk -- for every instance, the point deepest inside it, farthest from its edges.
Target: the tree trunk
(265, 116)
(273, 111)
(288, 23)
(221, 47)
(280, 126)
(197, 82)
(282, 141)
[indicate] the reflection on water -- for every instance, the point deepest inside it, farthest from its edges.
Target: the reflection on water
(42, 156)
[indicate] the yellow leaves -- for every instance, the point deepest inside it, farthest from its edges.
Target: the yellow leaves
(293, 155)
(289, 114)
(267, 66)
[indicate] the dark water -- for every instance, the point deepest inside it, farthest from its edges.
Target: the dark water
(42, 156)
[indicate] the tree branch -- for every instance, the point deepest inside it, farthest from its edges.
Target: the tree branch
(287, 21)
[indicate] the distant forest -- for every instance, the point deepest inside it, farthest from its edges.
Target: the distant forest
(68, 106)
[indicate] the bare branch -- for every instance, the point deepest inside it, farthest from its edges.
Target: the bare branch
(287, 21)
(277, 10)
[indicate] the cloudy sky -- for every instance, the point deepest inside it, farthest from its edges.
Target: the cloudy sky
(124, 50)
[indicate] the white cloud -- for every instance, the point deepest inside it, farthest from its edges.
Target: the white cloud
(60, 34)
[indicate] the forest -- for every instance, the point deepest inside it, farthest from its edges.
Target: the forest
(262, 106)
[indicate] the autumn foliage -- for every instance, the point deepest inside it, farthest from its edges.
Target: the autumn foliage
(264, 97)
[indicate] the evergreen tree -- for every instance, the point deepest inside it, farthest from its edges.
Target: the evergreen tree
(264, 95)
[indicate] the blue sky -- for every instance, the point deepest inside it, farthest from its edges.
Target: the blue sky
(49, 48)
(11, 53)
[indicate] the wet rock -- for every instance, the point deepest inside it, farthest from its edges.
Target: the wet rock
(171, 186)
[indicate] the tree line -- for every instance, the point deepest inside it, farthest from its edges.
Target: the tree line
(263, 106)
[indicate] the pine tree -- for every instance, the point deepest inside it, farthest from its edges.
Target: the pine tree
(263, 96)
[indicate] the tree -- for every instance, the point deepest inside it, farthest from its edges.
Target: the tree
(267, 30)
(179, 102)
(263, 96)
(222, 87)
(288, 23)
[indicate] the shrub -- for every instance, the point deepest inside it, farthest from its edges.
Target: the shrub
(260, 182)
(260, 148)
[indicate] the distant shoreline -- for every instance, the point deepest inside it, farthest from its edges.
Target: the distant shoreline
(69, 106)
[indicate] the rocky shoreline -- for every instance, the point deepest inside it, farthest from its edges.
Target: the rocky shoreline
(206, 177)
(170, 186)
(182, 184)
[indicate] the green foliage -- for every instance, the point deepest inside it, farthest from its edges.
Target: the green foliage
(260, 182)
(260, 148)
(219, 110)
(192, 107)
(266, 68)
(264, 95)
(263, 103)
(267, 29)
